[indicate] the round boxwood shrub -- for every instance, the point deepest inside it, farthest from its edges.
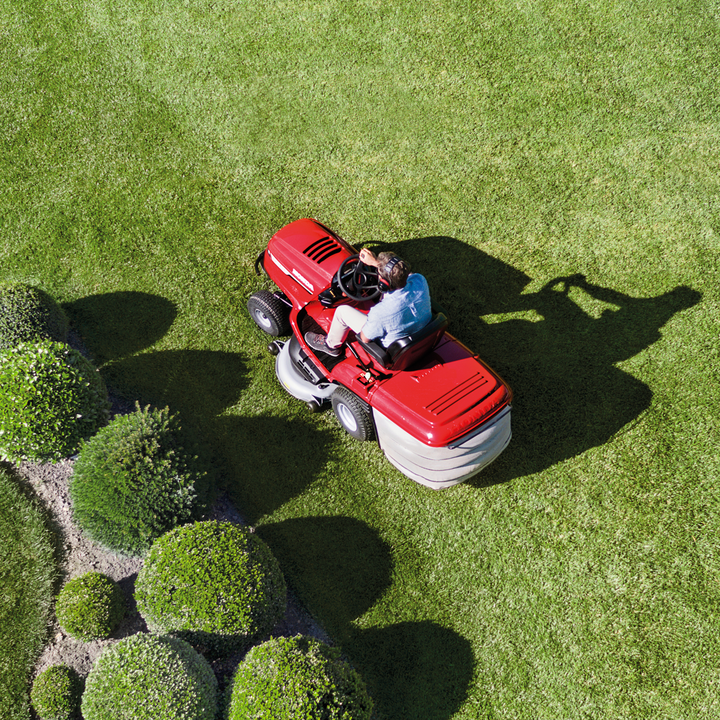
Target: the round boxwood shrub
(28, 313)
(215, 584)
(299, 677)
(90, 607)
(135, 480)
(56, 692)
(51, 398)
(150, 676)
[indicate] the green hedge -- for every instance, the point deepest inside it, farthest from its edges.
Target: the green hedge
(51, 398)
(90, 607)
(136, 479)
(28, 570)
(56, 693)
(150, 677)
(292, 678)
(27, 314)
(214, 584)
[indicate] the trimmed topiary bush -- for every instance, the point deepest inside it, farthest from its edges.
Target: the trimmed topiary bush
(290, 678)
(51, 398)
(90, 607)
(135, 480)
(150, 676)
(214, 584)
(56, 693)
(27, 314)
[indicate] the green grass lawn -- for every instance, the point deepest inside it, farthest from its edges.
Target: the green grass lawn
(553, 169)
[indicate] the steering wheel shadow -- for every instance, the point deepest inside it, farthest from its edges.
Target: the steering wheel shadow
(412, 669)
(559, 359)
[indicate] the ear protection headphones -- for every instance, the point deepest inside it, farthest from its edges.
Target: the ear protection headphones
(384, 284)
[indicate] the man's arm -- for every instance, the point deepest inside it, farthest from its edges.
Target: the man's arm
(368, 257)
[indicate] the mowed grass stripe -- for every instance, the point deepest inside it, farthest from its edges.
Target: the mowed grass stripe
(500, 149)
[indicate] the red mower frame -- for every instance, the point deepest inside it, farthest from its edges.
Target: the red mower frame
(439, 413)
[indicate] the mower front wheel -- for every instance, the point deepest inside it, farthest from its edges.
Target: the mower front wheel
(269, 313)
(353, 414)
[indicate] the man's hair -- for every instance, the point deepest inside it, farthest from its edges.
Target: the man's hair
(399, 270)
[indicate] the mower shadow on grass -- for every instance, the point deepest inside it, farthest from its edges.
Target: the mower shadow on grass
(559, 358)
(412, 669)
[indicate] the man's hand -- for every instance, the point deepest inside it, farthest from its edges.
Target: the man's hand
(367, 257)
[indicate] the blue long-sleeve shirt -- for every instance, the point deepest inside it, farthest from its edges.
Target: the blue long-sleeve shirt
(400, 312)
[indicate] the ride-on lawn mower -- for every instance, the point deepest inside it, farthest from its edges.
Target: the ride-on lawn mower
(439, 413)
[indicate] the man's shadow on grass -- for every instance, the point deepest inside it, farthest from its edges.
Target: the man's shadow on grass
(267, 459)
(413, 669)
(559, 359)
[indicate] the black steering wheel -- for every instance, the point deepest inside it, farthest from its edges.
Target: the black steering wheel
(357, 280)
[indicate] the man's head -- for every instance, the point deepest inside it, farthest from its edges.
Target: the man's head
(392, 270)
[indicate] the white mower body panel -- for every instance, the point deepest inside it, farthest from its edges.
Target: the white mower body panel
(442, 467)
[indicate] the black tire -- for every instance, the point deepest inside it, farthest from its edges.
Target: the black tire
(269, 313)
(314, 406)
(353, 414)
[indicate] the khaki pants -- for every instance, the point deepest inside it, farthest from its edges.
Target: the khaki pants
(346, 318)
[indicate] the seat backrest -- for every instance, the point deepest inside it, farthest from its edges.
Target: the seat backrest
(407, 350)
(404, 352)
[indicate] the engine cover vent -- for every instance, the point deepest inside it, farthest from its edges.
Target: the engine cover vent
(322, 249)
(465, 392)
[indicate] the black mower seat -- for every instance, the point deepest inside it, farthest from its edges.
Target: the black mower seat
(404, 352)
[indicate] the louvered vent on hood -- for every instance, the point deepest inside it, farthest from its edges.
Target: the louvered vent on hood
(320, 250)
(459, 394)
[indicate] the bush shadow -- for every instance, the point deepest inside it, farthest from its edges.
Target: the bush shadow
(132, 622)
(342, 567)
(560, 360)
(262, 460)
(270, 459)
(119, 324)
(342, 555)
(414, 669)
(201, 383)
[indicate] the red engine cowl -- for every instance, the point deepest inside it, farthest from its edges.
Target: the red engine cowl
(303, 257)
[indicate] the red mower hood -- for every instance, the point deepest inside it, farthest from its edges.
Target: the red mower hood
(308, 252)
(449, 393)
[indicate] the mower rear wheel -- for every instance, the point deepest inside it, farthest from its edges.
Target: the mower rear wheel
(353, 414)
(269, 313)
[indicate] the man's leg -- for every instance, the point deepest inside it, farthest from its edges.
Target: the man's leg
(346, 318)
